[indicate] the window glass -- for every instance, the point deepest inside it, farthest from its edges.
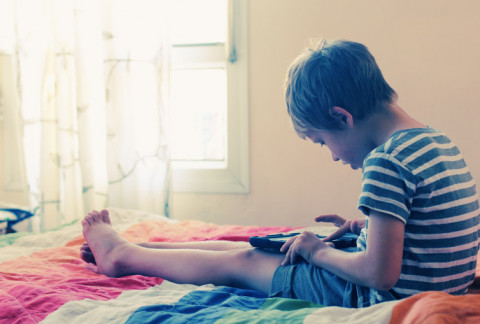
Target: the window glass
(198, 114)
(195, 21)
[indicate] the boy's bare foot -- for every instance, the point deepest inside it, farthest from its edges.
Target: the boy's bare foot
(86, 254)
(104, 246)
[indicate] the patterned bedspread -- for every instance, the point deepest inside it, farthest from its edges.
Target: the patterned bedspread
(43, 279)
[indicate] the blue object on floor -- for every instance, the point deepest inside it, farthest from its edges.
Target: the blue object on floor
(17, 216)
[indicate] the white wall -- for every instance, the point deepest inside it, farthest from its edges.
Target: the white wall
(429, 52)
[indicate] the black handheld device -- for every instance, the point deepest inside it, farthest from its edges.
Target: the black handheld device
(273, 242)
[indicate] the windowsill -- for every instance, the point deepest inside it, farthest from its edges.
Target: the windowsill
(210, 181)
(198, 165)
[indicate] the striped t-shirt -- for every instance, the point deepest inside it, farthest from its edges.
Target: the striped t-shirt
(420, 177)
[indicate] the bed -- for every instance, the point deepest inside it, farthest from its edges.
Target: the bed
(43, 279)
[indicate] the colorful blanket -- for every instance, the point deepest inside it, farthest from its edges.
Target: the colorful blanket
(42, 279)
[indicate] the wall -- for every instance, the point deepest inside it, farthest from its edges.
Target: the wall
(429, 52)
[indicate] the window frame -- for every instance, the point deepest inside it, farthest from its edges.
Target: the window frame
(232, 176)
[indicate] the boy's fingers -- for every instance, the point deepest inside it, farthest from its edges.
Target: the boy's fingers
(286, 246)
(345, 228)
(326, 218)
(356, 227)
(331, 218)
(290, 255)
(286, 260)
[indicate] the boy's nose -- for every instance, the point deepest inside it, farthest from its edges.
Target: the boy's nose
(335, 158)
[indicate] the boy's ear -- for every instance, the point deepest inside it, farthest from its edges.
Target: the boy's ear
(342, 117)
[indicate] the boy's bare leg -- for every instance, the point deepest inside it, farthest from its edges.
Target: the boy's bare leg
(87, 255)
(248, 268)
(200, 245)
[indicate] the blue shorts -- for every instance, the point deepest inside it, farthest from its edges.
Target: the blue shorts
(307, 282)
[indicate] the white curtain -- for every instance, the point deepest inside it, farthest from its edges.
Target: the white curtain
(89, 83)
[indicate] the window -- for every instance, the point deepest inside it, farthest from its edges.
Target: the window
(209, 100)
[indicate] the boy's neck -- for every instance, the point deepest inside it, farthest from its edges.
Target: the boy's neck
(388, 121)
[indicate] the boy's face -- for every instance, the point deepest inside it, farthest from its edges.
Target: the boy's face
(345, 145)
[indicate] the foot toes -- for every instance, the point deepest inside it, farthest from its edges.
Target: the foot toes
(87, 257)
(85, 247)
(95, 217)
(105, 216)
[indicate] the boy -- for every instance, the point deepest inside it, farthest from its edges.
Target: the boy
(420, 204)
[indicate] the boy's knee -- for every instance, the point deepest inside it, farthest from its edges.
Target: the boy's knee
(252, 268)
(251, 259)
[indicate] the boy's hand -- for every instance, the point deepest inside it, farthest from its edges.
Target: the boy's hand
(303, 245)
(345, 226)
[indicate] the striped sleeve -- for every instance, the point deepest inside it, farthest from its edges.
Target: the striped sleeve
(387, 187)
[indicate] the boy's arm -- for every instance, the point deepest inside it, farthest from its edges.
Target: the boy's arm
(378, 267)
